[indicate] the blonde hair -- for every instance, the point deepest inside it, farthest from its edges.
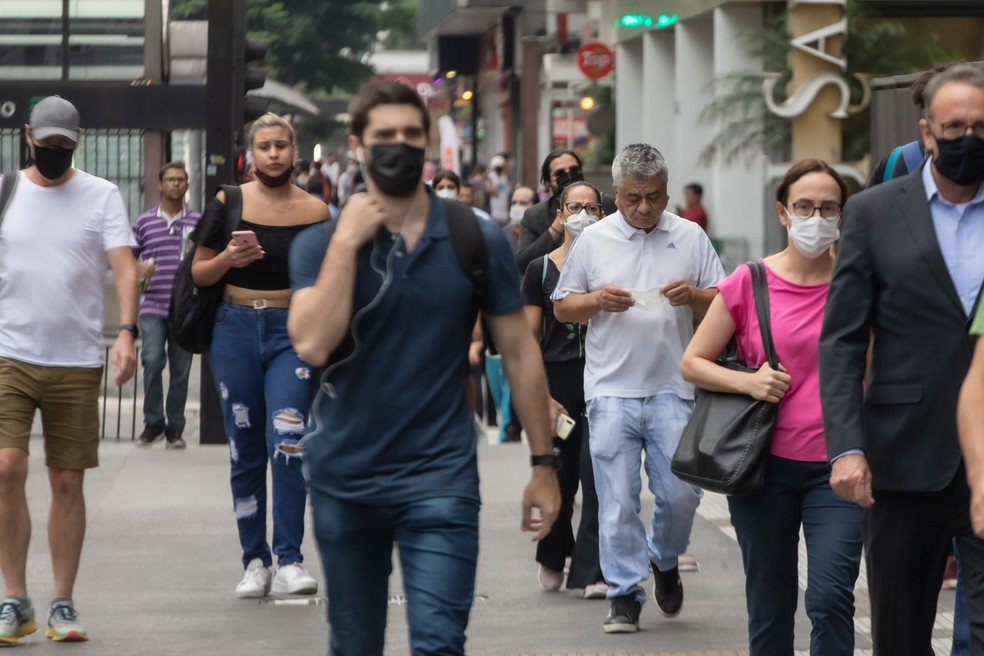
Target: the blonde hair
(271, 120)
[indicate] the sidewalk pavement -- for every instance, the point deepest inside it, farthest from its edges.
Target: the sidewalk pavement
(161, 560)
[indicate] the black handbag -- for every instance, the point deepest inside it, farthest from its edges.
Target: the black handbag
(191, 315)
(725, 445)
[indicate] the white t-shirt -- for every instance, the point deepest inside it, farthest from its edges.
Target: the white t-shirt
(637, 353)
(53, 264)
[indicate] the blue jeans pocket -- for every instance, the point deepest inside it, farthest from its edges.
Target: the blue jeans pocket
(605, 421)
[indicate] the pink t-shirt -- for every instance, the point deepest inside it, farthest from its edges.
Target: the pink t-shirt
(797, 314)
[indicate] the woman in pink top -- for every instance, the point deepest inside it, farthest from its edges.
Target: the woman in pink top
(797, 484)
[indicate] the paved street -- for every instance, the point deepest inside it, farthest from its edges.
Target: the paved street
(161, 560)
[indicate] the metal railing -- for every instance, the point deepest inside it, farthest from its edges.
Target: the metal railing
(104, 398)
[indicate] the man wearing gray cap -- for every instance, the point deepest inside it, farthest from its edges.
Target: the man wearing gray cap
(60, 231)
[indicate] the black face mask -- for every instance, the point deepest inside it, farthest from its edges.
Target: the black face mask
(396, 168)
(52, 162)
(566, 178)
(961, 160)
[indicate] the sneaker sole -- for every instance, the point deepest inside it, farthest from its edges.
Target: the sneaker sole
(71, 636)
(595, 594)
(172, 445)
(25, 629)
(306, 589)
(251, 594)
(621, 628)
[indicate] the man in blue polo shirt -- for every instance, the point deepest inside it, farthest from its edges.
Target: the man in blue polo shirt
(383, 301)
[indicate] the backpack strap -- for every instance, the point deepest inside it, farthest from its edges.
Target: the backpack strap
(471, 253)
(912, 156)
(893, 158)
(7, 190)
(234, 208)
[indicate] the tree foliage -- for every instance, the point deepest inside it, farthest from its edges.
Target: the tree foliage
(874, 46)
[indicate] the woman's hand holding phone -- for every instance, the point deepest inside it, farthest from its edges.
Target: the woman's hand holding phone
(244, 248)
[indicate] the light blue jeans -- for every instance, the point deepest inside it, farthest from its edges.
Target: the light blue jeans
(621, 431)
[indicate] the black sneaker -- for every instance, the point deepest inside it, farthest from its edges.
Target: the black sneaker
(668, 591)
(623, 617)
(174, 440)
(150, 435)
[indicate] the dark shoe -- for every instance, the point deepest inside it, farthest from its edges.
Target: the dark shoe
(150, 435)
(174, 440)
(668, 591)
(512, 434)
(623, 617)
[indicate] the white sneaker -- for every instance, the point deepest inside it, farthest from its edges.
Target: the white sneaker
(294, 579)
(256, 582)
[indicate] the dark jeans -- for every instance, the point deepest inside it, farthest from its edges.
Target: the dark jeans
(157, 348)
(438, 546)
(768, 524)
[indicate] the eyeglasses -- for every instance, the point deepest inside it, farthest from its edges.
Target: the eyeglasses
(574, 170)
(594, 209)
(957, 129)
(805, 209)
(175, 180)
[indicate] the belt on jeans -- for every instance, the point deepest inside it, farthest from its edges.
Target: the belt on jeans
(258, 303)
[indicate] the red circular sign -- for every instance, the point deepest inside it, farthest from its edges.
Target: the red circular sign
(595, 59)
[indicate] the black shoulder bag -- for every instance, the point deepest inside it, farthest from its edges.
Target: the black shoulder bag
(725, 445)
(191, 316)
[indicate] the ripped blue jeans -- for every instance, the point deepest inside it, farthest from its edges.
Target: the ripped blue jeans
(265, 390)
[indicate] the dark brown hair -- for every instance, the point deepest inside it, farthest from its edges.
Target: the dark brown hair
(444, 174)
(580, 183)
(804, 167)
(384, 93)
(551, 156)
(178, 166)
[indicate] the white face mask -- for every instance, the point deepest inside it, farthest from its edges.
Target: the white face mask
(516, 213)
(812, 237)
(578, 222)
(449, 194)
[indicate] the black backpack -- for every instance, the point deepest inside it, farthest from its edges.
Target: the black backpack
(191, 317)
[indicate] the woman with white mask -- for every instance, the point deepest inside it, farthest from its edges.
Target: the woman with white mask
(797, 494)
(562, 345)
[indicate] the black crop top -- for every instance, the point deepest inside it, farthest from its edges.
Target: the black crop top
(269, 272)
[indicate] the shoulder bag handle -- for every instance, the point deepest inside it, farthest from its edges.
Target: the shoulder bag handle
(760, 288)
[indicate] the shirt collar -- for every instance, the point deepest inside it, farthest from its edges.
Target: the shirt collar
(161, 214)
(933, 190)
(629, 232)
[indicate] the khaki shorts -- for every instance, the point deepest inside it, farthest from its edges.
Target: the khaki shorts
(68, 398)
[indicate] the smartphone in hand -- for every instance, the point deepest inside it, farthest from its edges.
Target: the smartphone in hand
(244, 238)
(564, 426)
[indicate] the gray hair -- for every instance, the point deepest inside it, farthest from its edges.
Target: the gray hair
(969, 73)
(639, 161)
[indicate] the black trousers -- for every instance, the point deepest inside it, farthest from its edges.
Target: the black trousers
(906, 541)
(566, 382)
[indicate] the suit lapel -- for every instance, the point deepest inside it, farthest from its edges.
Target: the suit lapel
(915, 213)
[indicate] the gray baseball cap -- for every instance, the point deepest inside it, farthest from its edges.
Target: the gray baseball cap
(55, 116)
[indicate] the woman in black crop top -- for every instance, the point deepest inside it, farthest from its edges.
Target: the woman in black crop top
(562, 345)
(263, 385)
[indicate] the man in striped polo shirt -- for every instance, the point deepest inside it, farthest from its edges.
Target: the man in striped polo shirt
(161, 234)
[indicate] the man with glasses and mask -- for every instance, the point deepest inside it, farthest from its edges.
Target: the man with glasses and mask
(641, 279)
(62, 229)
(161, 235)
(893, 352)
(541, 231)
(382, 300)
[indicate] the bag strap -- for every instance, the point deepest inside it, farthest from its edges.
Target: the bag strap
(760, 288)
(887, 174)
(7, 191)
(234, 208)
(912, 156)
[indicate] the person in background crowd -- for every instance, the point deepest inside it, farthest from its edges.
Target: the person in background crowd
(264, 387)
(562, 345)
(498, 189)
(693, 193)
(616, 279)
(481, 187)
(797, 492)
(161, 235)
(61, 231)
(521, 199)
(540, 231)
(894, 350)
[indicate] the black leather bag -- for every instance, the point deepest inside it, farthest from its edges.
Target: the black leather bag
(191, 315)
(725, 445)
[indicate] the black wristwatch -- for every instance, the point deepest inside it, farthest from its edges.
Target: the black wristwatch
(130, 328)
(551, 459)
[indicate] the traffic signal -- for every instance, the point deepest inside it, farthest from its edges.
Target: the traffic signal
(254, 77)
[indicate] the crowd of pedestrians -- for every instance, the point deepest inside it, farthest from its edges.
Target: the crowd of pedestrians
(345, 285)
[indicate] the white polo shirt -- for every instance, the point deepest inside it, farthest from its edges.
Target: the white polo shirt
(637, 353)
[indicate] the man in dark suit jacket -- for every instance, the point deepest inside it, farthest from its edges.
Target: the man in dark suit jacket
(541, 231)
(908, 271)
